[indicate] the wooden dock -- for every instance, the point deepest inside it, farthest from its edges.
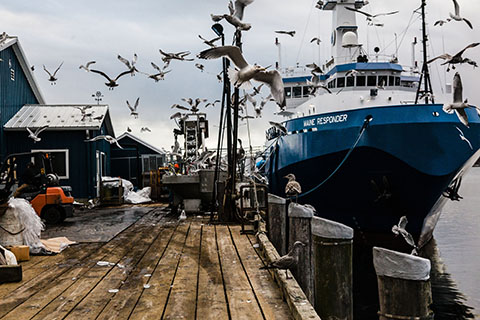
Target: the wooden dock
(159, 268)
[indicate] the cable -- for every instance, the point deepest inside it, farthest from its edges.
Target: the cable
(305, 30)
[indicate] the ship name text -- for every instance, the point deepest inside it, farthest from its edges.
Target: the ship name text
(325, 120)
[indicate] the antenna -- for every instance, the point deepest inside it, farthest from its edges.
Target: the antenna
(427, 92)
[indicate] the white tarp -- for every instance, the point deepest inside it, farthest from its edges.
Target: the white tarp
(129, 196)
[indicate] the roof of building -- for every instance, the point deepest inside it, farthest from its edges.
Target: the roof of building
(140, 141)
(60, 117)
(22, 59)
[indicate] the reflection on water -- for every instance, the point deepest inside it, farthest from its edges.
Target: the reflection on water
(455, 258)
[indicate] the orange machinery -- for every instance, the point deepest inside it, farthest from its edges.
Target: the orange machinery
(51, 202)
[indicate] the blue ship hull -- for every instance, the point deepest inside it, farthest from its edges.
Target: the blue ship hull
(403, 163)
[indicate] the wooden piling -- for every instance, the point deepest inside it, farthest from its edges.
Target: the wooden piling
(403, 285)
(277, 223)
(333, 273)
(299, 219)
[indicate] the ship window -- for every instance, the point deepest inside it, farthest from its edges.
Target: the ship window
(382, 80)
(306, 91)
(350, 81)
(397, 81)
(391, 81)
(372, 81)
(288, 92)
(297, 92)
(361, 81)
(340, 82)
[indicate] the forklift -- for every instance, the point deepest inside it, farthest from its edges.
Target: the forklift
(51, 202)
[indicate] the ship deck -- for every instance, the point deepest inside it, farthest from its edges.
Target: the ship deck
(159, 268)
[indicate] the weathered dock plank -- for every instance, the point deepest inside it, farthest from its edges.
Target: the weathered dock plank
(183, 294)
(267, 292)
(241, 299)
(211, 302)
(152, 301)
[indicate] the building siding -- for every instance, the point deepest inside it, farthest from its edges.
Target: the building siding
(13, 94)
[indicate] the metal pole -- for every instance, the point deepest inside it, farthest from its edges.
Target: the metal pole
(426, 74)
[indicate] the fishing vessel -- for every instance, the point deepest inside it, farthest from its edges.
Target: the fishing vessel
(379, 146)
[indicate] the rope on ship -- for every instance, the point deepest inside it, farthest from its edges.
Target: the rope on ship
(367, 120)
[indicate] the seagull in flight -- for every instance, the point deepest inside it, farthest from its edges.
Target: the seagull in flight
(112, 83)
(200, 66)
(233, 18)
(83, 111)
(370, 16)
(279, 127)
(107, 138)
(169, 56)
(246, 72)
(145, 129)
(457, 16)
(52, 78)
(290, 33)
(316, 40)
(240, 7)
(133, 110)
(441, 22)
(210, 43)
(457, 58)
(462, 136)
(399, 229)
(157, 76)
(130, 65)
(458, 106)
(87, 65)
(179, 107)
(34, 135)
(212, 103)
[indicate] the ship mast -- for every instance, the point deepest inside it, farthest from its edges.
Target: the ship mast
(427, 92)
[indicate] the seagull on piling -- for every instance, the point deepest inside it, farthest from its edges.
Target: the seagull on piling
(293, 188)
(87, 65)
(107, 138)
(34, 135)
(112, 83)
(287, 261)
(457, 16)
(399, 229)
(458, 106)
(247, 72)
(133, 110)
(130, 66)
(457, 58)
(52, 78)
(290, 33)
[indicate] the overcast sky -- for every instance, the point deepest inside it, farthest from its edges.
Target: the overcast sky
(52, 31)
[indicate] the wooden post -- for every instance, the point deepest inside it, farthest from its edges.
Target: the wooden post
(333, 269)
(277, 223)
(403, 285)
(300, 218)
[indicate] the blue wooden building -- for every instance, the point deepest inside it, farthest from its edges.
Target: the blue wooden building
(17, 84)
(136, 157)
(79, 163)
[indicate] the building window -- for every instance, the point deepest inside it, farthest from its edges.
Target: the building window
(340, 82)
(306, 91)
(60, 162)
(297, 92)
(397, 81)
(350, 81)
(361, 81)
(12, 74)
(152, 162)
(372, 81)
(288, 92)
(382, 81)
(391, 81)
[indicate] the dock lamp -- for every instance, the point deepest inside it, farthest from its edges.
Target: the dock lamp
(218, 29)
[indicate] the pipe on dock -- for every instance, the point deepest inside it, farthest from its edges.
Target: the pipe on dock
(404, 288)
(299, 219)
(333, 269)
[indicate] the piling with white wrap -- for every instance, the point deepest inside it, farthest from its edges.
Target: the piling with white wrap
(403, 285)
